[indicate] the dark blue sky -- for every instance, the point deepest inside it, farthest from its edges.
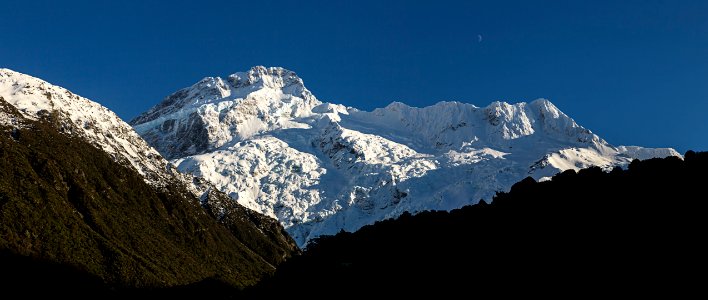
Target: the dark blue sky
(635, 72)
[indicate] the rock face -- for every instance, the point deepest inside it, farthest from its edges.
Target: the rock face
(215, 112)
(80, 188)
(261, 137)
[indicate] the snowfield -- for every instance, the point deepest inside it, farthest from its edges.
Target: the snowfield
(264, 139)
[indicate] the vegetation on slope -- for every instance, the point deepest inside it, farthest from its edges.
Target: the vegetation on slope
(64, 201)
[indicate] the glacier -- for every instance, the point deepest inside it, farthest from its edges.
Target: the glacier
(265, 140)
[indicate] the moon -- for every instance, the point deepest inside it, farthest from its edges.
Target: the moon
(479, 38)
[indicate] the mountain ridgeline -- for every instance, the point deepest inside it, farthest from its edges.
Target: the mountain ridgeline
(111, 219)
(627, 232)
(265, 140)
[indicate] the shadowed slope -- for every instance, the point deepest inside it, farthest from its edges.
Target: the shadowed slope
(64, 201)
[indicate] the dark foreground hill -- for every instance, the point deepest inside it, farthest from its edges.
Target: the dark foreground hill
(632, 232)
(73, 220)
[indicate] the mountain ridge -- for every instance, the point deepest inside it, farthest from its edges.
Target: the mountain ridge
(36, 98)
(321, 167)
(69, 186)
(78, 207)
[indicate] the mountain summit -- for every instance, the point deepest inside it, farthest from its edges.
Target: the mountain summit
(261, 137)
(217, 111)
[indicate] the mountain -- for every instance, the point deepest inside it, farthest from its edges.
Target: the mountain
(627, 232)
(94, 123)
(79, 188)
(265, 140)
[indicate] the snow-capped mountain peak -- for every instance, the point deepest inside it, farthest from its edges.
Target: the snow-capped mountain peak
(274, 77)
(264, 139)
(235, 86)
(214, 111)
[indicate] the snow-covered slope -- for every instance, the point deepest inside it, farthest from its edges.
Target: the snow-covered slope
(264, 139)
(75, 115)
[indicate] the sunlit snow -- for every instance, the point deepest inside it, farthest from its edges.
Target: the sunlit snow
(264, 139)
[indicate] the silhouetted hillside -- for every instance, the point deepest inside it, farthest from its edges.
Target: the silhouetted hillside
(70, 212)
(636, 231)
